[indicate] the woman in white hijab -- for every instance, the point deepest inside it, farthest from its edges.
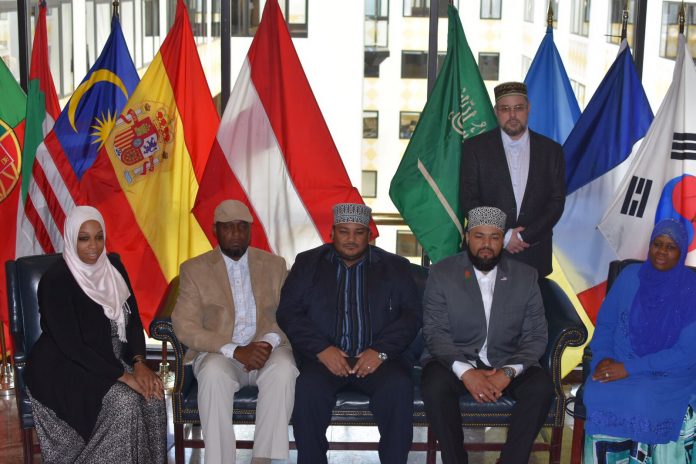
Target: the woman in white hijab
(93, 397)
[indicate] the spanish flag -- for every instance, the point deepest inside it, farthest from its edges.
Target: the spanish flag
(146, 177)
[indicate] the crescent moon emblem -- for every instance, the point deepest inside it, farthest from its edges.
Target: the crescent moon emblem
(100, 75)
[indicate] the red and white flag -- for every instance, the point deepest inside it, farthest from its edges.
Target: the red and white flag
(274, 152)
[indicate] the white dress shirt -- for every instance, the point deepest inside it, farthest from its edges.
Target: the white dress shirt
(517, 156)
(244, 307)
(486, 282)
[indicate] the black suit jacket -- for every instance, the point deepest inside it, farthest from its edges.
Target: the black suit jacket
(485, 181)
(307, 309)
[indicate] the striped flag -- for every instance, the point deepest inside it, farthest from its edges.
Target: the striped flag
(42, 184)
(274, 152)
(661, 182)
(597, 156)
(146, 176)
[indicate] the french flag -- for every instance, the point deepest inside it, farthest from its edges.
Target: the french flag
(274, 152)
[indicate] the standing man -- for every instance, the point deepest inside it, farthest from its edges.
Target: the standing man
(485, 330)
(225, 314)
(520, 172)
(350, 311)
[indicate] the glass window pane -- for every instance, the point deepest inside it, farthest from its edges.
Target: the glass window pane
(488, 66)
(370, 124)
(369, 184)
(407, 123)
(414, 64)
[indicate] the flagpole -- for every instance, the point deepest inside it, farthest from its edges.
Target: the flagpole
(432, 45)
(115, 11)
(639, 35)
(549, 16)
(24, 32)
(225, 53)
(682, 17)
(624, 24)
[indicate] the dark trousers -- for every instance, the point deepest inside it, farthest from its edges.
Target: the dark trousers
(391, 401)
(532, 392)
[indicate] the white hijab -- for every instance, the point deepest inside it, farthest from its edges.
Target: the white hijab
(101, 281)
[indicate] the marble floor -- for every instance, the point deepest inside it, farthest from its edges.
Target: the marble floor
(11, 442)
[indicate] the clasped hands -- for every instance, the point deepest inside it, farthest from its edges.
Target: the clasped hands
(144, 381)
(485, 386)
(336, 361)
(609, 370)
(254, 355)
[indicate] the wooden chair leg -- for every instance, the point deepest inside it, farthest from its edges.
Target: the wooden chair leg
(179, 443)
(28, 444)
(431, 453)
(556, 445)
(578, 441)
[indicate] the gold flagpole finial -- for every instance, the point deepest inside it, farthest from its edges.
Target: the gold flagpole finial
(549, 15)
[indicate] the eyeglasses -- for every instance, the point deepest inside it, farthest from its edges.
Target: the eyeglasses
(511, 109)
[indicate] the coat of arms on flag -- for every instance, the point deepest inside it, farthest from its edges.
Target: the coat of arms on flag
(142, 137)
(9, 159)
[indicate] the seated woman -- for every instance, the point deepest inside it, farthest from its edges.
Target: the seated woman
(93, 397)
(643, 386)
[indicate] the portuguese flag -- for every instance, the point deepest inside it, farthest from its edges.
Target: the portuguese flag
(12, 110)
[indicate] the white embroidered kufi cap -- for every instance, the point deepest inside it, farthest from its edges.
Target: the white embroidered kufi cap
(486, 216)
(352, 213)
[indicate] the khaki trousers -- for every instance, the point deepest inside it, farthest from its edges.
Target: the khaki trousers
(219, 378)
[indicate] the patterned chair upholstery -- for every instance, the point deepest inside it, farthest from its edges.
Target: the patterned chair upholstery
(352, 407)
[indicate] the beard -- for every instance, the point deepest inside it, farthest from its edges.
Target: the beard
(514, 131)
(484, 264)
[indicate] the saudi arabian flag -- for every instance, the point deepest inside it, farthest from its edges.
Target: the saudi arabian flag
(425, 188)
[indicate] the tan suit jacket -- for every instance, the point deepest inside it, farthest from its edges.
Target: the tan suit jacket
(204, 316)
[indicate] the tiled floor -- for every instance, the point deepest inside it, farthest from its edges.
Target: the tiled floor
(11, 442)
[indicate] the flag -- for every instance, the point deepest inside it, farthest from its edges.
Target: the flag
(12, 125)
(72, 145)
(661, 182)
(425, 187)
(147, 173)
(274, 152)
(42, 185)
(596, 153)
(554, 107)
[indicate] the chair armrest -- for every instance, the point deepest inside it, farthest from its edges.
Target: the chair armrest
(564, 325)
(14, 312)
(161, 328)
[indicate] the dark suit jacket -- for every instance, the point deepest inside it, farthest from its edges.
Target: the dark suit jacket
(72, 364)
(307, 310)
(454, 321)
(485, 181)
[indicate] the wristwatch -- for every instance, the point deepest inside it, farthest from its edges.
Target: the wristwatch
(509, 372)
(382, 356)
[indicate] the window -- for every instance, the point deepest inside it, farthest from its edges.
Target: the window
(580, 17)
(151, 17)
(670, 28)
(369, 184)
(529, 11)
(488, 65)
(376, 23)
(407, 123)
(491, 9)
(407, 245)
(421, 8)
(414, 64)
(246, 15)
(295, 12)
(616, 10)
(370, 124)
(579, 91)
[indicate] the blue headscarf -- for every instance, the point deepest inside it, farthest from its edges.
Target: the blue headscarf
(664, 303)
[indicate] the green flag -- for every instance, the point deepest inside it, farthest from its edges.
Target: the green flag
(425, 188)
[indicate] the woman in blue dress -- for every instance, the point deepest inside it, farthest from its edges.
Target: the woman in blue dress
(639, 398)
